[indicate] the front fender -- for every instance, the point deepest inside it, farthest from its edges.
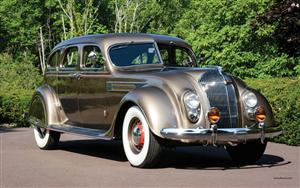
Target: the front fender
(159, 110)
(262, 101)
(44, 100)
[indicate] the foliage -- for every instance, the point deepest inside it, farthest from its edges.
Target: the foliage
(159, 16)
(19, 34)
(153, 16)
(13, 105)
(18, 79)
(81, 18)
(19, 73)
(284, 97)
(221, 32)
(286, 15)
(127, 13)
(248, 38)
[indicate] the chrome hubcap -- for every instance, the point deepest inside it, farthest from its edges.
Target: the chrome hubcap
(136, 135)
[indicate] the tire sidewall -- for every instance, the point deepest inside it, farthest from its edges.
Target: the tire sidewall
(41, 142)
(133, 158)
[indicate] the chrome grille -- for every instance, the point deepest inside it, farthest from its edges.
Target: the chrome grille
(221, 94)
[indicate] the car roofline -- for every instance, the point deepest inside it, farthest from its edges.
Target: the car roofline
(114, 38)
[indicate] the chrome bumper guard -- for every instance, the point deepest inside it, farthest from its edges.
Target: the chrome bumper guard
(220, 136)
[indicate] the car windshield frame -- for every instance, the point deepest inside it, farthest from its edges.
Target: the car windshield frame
(156, 51)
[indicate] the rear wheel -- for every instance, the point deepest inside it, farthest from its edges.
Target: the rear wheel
(247, 153)
(141, 147)
(44, 138)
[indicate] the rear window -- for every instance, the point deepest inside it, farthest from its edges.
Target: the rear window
(134, 54)
(71, 59)
(53, 61)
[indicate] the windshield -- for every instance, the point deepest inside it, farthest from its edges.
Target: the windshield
(134, 54)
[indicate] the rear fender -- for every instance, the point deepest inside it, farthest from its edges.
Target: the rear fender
(45, 99)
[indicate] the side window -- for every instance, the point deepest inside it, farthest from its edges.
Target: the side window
(92, 58)
(183, 59)
(164, 55)
(176, 56)
(53, 61)
(71, 58)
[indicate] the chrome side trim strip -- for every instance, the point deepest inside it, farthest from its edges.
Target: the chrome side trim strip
(119, 86)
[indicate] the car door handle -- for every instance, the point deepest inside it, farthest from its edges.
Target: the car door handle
(77, 75)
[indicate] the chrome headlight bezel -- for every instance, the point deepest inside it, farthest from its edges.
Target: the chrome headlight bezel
(250, 99)
(192, 105)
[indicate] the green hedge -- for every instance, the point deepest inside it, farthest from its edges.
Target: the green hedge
(284, 97)
(13, 105)
(18, 80)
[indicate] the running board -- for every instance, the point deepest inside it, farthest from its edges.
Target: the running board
(93, 133)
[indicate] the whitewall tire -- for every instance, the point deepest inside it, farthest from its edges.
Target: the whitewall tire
(140, 145)
(45, 139)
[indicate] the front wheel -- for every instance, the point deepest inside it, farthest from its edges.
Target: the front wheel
(141, 147)
(247, 153)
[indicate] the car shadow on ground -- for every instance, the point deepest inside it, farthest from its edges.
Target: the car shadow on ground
(112, 150)
(193, 158)
(212, 158)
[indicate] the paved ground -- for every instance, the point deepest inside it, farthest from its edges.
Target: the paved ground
(81, 162)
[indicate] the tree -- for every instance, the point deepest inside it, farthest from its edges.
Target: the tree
(286, 16)
(20, 22)
(154, 16)
(222, 32)
(81, 18)
(160, 16)
(127, 13)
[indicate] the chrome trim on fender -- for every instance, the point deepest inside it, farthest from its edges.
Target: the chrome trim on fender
(118, 86)
(221, 136)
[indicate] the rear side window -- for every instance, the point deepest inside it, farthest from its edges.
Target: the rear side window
(53, 61)
(92, 58)
(71, 58)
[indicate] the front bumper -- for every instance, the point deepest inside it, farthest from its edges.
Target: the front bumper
(220, 136)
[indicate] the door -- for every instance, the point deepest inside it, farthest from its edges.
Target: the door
(68, 84)
(92, 92)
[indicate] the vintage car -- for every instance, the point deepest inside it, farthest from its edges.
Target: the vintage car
(148, 91)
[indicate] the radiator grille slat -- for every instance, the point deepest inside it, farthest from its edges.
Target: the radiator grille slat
(221, 95)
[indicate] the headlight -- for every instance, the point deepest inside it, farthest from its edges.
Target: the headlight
(250, 99)
(192, 105)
